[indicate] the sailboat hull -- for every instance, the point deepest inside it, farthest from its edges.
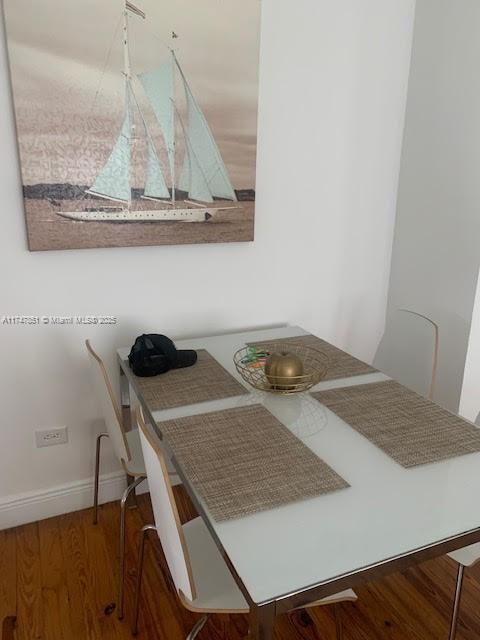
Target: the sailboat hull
(160, 215)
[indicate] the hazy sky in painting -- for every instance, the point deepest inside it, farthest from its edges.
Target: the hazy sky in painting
(66, 61)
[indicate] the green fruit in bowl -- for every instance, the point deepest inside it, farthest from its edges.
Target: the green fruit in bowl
(283, 370)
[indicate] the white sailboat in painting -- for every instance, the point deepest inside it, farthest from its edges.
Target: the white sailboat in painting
(203, 175)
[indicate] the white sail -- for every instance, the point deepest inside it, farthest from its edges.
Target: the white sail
(155, 185)
(203, 153)
(113, 180)
(159, 88)
(192, 178)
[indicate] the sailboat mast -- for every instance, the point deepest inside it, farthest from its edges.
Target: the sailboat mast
(126, 48)
(127, 72)
(173, 126)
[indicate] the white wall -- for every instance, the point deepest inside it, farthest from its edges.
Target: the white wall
(470, 398)
(436, 254)
(332, 99)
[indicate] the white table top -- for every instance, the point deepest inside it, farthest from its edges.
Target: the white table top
(388, 511)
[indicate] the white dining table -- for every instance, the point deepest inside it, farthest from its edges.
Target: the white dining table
(389, 517)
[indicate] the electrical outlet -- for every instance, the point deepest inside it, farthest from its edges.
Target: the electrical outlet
(49, 437)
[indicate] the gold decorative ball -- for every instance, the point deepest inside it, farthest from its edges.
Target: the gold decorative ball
(283, 370)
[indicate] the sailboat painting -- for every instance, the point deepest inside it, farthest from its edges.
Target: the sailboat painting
(136, 120)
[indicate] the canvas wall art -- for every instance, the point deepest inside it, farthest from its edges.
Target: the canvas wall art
(136, 121)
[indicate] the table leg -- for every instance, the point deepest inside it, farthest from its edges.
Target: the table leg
(262, 620)
(125, 401)
(127, 426)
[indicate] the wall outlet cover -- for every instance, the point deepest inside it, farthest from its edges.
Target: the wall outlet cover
(50, 437)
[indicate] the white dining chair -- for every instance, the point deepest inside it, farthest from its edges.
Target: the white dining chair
(127, 448)
(202, 579)
(408, 351)
(394, 358)
(466, 558)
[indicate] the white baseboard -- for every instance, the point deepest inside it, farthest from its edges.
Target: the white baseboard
(37, 505)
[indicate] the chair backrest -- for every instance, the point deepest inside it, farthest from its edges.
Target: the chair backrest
(167, 520)
(408, 351)
(111, 412)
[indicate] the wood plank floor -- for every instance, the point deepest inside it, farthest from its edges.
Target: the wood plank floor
(57, 582)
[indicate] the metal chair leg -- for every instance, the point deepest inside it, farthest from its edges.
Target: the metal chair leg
(197, 628)
(141, 551)
(141, 554)
(338, 620)
(121, 575)
(97, 476)
(456, 603)
(132, 499)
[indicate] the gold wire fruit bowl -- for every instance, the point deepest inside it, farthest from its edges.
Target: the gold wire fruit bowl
(250, 363)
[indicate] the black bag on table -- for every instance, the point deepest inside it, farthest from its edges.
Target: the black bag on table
(154, 353)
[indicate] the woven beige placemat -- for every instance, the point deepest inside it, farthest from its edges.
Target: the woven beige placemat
(342, 364)
(407, 427)
(205, 380)
(244, 460)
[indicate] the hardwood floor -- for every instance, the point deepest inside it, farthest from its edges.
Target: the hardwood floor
(57, 582)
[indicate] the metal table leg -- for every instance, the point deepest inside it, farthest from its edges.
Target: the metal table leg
(125, 401)
(127, 425)
(456, 604)
(338, 620)
(121, 578)
(97, 476)
(262, 620)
